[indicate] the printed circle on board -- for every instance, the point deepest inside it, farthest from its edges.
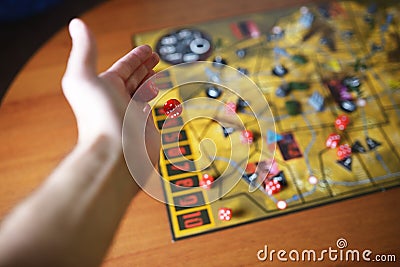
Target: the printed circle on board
(184, 46)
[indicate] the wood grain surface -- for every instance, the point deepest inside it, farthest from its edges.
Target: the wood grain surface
(37, 129)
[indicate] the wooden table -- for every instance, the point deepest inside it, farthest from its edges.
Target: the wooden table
(38, 130)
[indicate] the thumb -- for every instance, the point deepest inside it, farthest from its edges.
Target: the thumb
(83, 57)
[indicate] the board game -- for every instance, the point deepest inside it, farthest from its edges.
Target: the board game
(329, 75)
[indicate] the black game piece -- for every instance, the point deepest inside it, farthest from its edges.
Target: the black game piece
(346, 163)
(283, 90)
(219, 62)
(279, 70)
(227, 130)
(213, 92)
(352, 82)
(241, 104)
(372, 144)
(243, 71)
(348, 106)
(280, 178)
(241, 53)
(357, 147)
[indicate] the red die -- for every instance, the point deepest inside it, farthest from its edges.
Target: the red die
(206, 181)
(246, 137)
(173, 108)
(333, 140)
(225, 214)
(344, 151)
(341, 122)
(272, 187)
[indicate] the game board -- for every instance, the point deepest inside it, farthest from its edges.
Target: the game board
(312, 64)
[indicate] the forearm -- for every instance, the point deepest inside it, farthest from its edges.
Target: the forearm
(74, 214)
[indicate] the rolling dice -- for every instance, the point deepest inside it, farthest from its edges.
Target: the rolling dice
(341, 122)
(344, 151)
(333, 140)
(225, 214)
(246, 137)
(173, 108)
(206, 181)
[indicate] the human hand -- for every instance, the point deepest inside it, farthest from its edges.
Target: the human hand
(99, 102)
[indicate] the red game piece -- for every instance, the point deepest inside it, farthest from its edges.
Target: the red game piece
(230, 108)
(272, 187)
(225, 214)
(344, 151)
(341, 122)
(206, 181)
(333, 140)
(173, 108)
(246, 137)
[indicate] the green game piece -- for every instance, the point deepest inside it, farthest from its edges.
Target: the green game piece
(293, 107)
(299, 85)
(299, 59)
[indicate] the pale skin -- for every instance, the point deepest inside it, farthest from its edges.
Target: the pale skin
(70, 220)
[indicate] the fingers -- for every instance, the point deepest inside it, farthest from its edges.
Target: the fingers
(143, 71)
(83, 56)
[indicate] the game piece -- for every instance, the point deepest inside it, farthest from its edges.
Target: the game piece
(279, 70)
(299, 59)
(352, 82)
(241, 53)
(224, 214)
(206, 181)
(251, 167)
(333, 140)
(343, 151)
(246, 137)
(307, 18)
(213, 76)
(173, 108)
(273, 137)
(347, 106)
(361, 102)
(243, 70)
(293, 107)
(253, 29)
(241, 104)
(346, 163)
(184, 45)
(283, 90)
(313, 180)
(371, 143)
(213, 92)
(299, 85)
(280, 177)
(230, 108)
(281, 204)
(357, 147)
(272, 187)
(227, 130)
(317, 101)
(280, 51)
(341, 122)
(219, 62)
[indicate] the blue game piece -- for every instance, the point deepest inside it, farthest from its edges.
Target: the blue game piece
(306, 20)
(273, 137)
(280, 51)
(372, 8)
(317, 101)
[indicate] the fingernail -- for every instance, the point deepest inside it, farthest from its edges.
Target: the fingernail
(146, 108)
(153, 88)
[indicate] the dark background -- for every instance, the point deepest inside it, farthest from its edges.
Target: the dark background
(21, 34)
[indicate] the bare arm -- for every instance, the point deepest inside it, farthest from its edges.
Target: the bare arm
(71, 219)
